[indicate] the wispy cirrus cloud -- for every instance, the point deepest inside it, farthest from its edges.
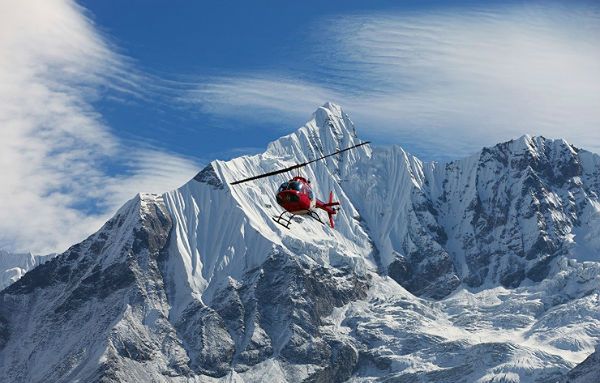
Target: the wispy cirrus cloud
(54, 147)
(444, 83)
(258, 97)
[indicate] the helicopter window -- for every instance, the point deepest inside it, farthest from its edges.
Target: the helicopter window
(283, 186)
(295, 186)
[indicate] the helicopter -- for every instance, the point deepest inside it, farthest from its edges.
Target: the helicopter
(296, 196)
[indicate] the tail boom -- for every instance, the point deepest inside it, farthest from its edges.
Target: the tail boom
(329, 208)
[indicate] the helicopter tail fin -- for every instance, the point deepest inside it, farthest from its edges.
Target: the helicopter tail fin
(330, 209)
(331, 220)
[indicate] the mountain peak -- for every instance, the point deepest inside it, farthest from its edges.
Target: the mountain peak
(332, 115)
(328, 130)
(525, 139)
(329, 110)
(538, 142)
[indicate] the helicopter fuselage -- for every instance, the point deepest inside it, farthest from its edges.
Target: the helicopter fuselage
(296, 197)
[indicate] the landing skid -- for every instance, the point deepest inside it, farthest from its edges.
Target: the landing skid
(284, 221)
(314, 215)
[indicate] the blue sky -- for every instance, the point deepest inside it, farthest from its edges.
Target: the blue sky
(103, 99)
(190, 44)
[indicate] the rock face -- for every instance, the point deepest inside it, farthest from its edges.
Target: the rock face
(587, 371)
(466, 271)
(82, 314)
(500, 216)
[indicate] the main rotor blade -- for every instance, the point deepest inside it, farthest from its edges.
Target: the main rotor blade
(297, 165)
(338, 152)
(269, 174)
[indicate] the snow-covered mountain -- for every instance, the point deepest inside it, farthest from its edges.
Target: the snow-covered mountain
(485, 269)
(14, 265)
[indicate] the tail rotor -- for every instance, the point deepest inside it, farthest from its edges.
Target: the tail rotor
(331, 209)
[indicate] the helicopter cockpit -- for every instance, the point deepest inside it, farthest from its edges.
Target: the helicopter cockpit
(291, 185)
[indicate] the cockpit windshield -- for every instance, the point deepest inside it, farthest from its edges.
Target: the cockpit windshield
(291, 185)
(295, 185)
(283, 187)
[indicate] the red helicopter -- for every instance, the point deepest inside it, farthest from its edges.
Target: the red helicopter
(296, 195)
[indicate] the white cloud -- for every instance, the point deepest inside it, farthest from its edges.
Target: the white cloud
(54, 148)
(484, 75)
(262, 97)
(446, 82)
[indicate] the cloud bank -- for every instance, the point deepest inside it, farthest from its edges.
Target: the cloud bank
(55, 150)
(444, 83)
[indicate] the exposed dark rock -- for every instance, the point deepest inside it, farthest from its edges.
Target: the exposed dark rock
(4, 332)
(136, 349)
(540, 270)
(434, 277)
(206, 340)
(278, 310)
(40, 277)
(400, 270)
(99, 284)
(209, 176)
(513, 278)
(587, 371)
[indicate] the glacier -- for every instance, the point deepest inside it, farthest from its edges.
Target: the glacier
(483, 269)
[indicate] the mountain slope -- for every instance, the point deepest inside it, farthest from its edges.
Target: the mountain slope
(587, 371)
(466, 271)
